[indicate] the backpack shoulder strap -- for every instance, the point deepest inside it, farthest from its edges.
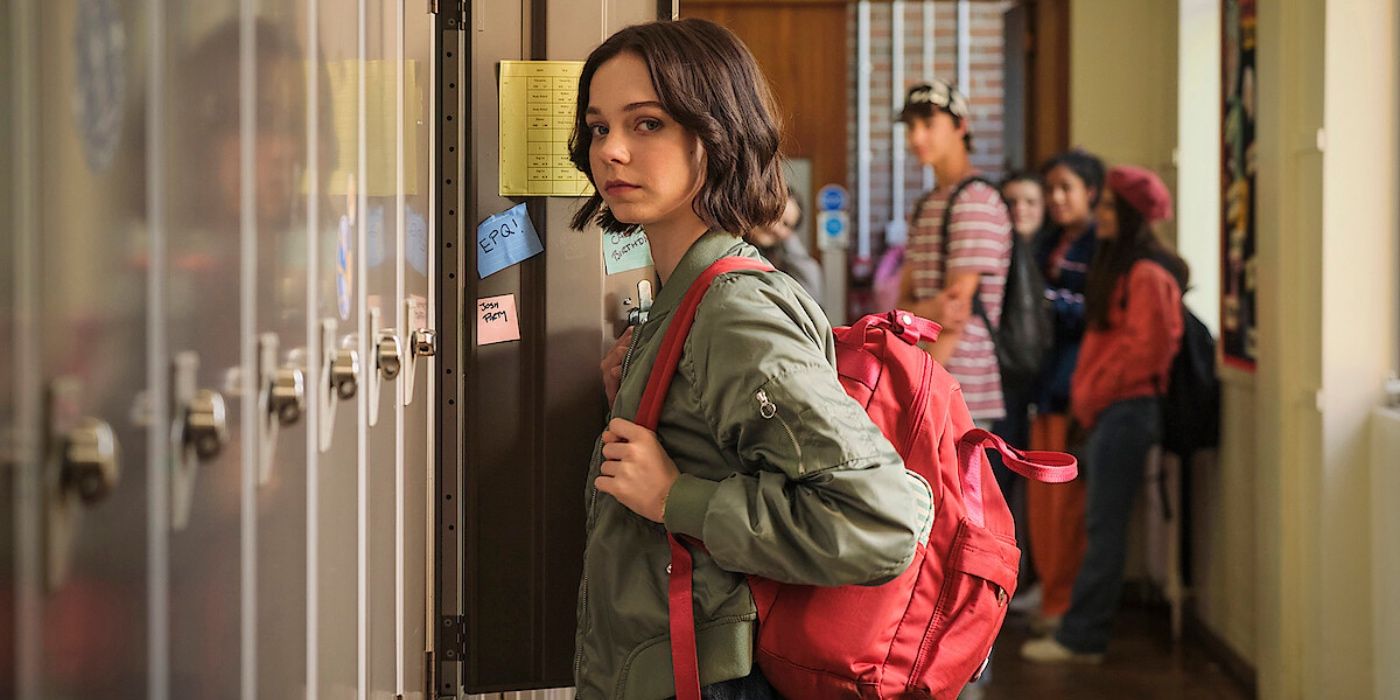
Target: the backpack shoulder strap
(977, 307)
(952, 200)
(685, 663)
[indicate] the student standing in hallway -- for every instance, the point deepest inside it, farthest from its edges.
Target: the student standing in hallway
(1024, 193)
(959, 248)
(958, 256)
(1064, 250)
(1133, 304)
(759, 452)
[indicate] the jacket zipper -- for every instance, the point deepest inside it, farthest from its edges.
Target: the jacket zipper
(631, 347)
(769, 410)
(592, 503)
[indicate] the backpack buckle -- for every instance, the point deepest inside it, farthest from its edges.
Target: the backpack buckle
(911, 328)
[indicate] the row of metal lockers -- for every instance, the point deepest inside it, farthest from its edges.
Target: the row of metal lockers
(263, 433)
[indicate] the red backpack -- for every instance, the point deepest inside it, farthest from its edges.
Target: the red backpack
(928, 632)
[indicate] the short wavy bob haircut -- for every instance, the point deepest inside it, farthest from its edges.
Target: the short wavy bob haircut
(709, 83)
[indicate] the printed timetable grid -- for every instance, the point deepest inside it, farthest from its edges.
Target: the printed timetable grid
(537, 116)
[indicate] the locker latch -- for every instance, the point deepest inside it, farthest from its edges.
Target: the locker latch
(198, 433)
(637, 315)
(422, 342)
(387, 356)
(281, 399)
(341, 364)
(81, 468)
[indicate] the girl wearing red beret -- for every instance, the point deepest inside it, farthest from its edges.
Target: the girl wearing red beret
(1133, 306)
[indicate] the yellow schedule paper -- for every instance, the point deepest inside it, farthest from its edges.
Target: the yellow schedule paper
(537, 115)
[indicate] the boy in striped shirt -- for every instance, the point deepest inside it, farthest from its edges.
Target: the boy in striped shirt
(941, 277)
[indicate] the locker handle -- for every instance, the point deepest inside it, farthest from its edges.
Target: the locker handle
(387, 364)
(198, 432)
(389, 354)
(90, 465)
(422, 342)
(81, 467)
(288, 400)
(341, 363)
(206, 424)
(345, 373)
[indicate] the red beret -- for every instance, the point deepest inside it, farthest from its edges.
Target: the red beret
(1142, 188)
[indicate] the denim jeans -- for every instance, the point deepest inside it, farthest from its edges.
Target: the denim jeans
(1113, 464)
(751, 687)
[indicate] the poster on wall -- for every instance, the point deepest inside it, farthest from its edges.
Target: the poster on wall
(1238, 309)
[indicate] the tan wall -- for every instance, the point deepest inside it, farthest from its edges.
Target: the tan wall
(1123, 70)
(1360, 299)
(1283, 520)
(1284, 531)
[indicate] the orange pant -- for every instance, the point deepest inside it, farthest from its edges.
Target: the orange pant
(1056, 519)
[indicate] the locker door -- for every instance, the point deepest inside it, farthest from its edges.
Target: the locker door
(207, 145)
(533, 408)
(79, 249)
(415, 388)
(284, 149)
(10, 348)
(338, 585)
(389, 177)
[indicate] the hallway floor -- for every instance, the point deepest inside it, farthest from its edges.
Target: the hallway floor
(1142, 664)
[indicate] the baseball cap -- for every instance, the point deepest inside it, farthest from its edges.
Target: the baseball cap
(937, 95)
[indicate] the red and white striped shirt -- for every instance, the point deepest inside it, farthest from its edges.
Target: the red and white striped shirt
(979, 236)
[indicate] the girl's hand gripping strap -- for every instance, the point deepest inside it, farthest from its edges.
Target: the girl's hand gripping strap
(684, 663)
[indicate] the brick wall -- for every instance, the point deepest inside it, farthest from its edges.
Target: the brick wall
(985, 94)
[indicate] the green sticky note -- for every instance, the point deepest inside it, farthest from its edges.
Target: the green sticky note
(625, 251)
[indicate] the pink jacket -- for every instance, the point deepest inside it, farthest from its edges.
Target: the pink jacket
(1133, 356)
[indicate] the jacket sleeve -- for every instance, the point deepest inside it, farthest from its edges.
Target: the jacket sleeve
(1141, 350)
(921, 248)
(979, 232)
(819, 496)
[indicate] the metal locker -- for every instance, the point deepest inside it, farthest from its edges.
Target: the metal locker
(214, 430)
(203, 176)
(530, 410)
(78, 373)
(279, 145)
(340, 374)
(414, 468)
(395, 196)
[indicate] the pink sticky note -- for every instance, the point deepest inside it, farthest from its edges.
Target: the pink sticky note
(496, 321)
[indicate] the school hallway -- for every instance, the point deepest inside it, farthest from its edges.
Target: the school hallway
(300, 339)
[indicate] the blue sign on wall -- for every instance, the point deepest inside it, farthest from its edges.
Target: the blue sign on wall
(831, 198)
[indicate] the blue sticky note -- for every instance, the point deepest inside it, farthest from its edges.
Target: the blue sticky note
(505, 239)
(625, 251)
